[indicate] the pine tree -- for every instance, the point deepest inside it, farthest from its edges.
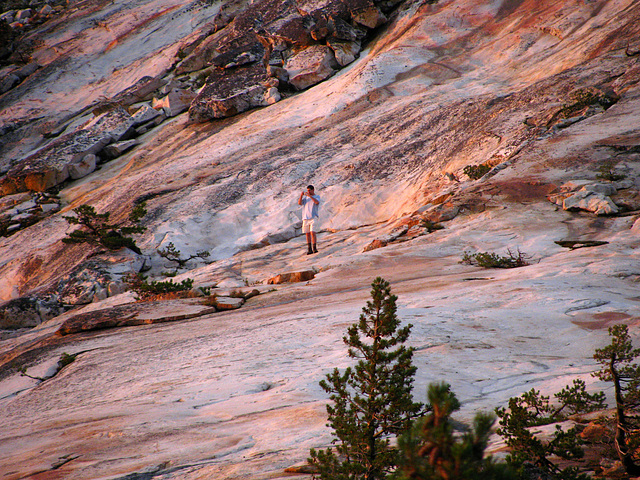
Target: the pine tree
(431, 450)
(96, 229)
(373, 400)
(617, 366)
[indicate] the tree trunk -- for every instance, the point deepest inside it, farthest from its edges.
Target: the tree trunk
(622, 426)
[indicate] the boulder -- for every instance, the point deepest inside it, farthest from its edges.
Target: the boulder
(176, 102)
(229, 303)
(292, 277)
(115, 124)
(46, 10)
(591, 202)
(23, 15)
(140, 91)
(311, 66)
(8, 82)
(365, 13)
(145, 114)
(272, 95)
(83, 167)
(345, 51)
(278, 72)
(49, 207)
(114, 150)
(116, 288)
(229, 92)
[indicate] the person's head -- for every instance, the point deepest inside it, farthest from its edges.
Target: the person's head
(310, 189)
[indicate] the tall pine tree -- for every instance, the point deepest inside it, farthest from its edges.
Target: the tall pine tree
(373, 400)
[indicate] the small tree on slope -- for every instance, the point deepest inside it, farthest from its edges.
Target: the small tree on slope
(373, 400)
(618, 367)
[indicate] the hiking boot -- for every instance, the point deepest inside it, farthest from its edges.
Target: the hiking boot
(310, 250)
(315, 250)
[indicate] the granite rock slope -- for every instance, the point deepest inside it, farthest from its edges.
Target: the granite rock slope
(545, 96)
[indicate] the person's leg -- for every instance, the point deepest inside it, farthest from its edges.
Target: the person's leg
(306, 229)
(309, 249)
(313, 241)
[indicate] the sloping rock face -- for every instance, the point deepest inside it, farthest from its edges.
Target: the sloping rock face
(541, 91)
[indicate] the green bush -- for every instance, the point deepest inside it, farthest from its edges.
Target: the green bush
(145, 290)
(493, 260)
(475, 172)
(606, 171)
(430, 226)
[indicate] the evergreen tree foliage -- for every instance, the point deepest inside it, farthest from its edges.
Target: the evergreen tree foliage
(96, 229)
(430, 450)
(373, 400)
(532, 409)
(617, 366)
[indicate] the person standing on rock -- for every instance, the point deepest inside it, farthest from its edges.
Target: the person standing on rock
(310, 204)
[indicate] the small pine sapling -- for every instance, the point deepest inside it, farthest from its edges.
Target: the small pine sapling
(171, 253)
(373, 400)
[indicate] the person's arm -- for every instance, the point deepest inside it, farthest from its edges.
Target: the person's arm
(313, 199)
(300, 199)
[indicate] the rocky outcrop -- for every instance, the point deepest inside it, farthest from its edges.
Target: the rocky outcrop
(67, 157)
(590, 196)
(226, 95)
(28, 312)
(22, 210)
(293, 277)
(145, 313)
(309, 40)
